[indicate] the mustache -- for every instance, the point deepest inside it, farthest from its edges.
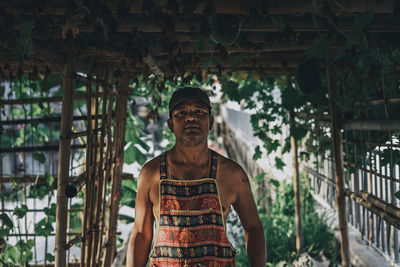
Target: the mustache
(191, 124)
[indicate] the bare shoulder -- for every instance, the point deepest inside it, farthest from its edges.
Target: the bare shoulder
(231, 169)
(150, 171)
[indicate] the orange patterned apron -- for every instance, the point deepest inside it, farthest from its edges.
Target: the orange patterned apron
(191, 230)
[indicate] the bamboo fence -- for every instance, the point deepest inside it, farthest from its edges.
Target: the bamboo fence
(368, 180)
(101, 134)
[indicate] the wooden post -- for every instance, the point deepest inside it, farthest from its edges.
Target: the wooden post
(338, 155)
(113, 206)
(64, 161)
(296, 184)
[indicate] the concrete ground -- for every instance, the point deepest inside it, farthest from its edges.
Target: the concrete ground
(361, 253)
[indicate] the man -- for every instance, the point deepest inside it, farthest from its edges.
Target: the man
(187, 192)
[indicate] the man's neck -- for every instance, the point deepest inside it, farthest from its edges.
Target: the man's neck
(192, 154)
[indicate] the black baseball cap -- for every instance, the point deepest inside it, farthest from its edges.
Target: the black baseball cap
(188, 93)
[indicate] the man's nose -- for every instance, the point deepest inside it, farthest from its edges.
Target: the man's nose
(191, 116)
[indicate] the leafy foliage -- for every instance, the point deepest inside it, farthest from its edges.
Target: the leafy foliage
(280, 230)
(272, 99)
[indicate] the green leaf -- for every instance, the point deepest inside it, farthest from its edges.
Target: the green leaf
(260, 177)
(257, 153)
(206, 63)
(49, 257)
(298, 132)
(24, 46)
(320, 46)
(238, 59)
(6, 220)
(274, 182)
(51, 212)
(200, 43)
(39, 191)
(397, 194)
(44, 228)
(50, 179)
(133, 154)
(12, 253)
(230, 88)
(20, 212)
(128, 193)
(279, 164)
(39, 156)
(126, 219)
(361, 22)
(304, 155)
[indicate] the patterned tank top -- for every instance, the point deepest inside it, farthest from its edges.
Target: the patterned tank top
(191, 230)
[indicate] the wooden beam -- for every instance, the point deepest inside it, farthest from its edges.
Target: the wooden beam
(42, 179)
(63, 162)
(372, 125)
(338, 155)
(285, 7)
(37, 148)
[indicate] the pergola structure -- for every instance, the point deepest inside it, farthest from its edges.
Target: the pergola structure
(105, 44)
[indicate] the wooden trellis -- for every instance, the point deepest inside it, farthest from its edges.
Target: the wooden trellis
(99, 134)
(169, 41)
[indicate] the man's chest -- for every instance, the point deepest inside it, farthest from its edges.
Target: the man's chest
(221, 199)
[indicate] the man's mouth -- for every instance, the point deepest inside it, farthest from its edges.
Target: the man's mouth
(192, 127)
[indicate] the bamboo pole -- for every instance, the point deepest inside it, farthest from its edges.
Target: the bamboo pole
(88, 165)
(120, 124)
(337, 150)
(109, 156)
(97, 162)
(387, 207)
(63, 163)
(73, 188)
(383, 214)
(296, 184)
(101, 185)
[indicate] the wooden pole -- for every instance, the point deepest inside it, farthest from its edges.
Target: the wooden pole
(338, 155)
(64, 161)
(113, 207)
(296, 184)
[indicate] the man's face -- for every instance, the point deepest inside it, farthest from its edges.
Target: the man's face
(190, 122)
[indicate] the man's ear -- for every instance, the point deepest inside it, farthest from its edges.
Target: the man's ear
(170, 125)
(211, 122)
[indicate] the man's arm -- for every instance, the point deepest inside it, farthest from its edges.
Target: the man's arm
(142, 234)
(253, 229)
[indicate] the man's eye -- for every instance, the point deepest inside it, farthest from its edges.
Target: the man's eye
(181, 114)
(199, 112)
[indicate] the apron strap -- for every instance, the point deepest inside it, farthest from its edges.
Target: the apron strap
(163, 166)
(214, 162)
